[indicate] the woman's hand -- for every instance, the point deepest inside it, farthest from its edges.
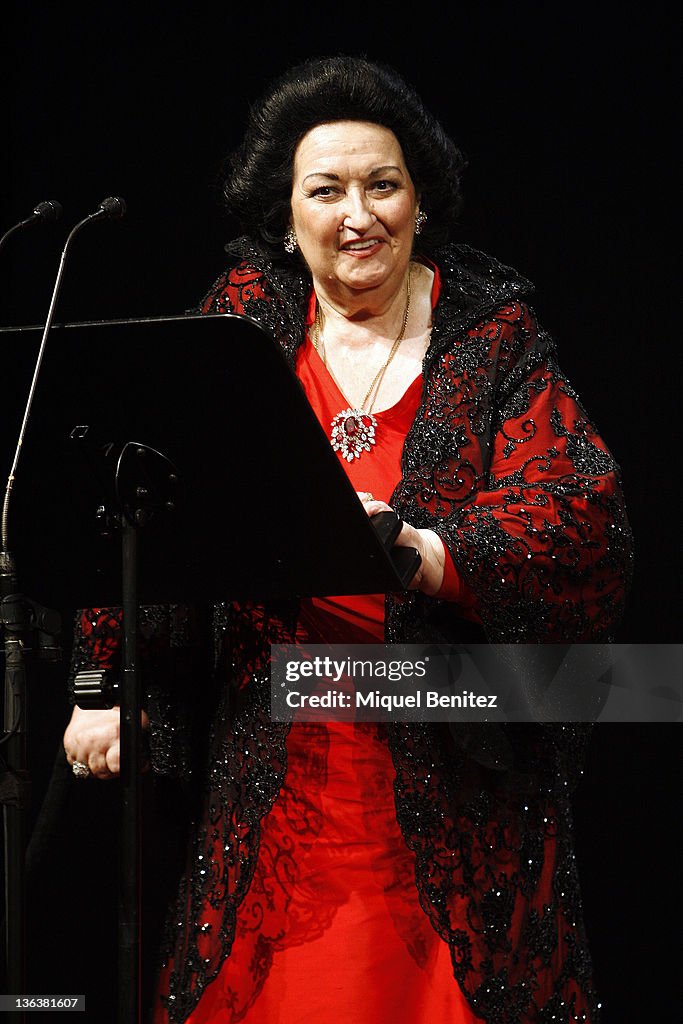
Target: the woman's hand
(94, 739)
(428, 544)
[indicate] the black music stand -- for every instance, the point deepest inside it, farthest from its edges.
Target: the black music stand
(196, 429)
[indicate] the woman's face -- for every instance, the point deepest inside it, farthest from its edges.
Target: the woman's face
(353, 207)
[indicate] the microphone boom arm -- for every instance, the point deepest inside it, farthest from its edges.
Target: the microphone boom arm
(109, 208)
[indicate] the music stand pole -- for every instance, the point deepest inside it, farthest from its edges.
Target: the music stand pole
(145, 482)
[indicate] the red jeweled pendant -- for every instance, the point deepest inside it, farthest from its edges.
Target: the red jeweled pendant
(353, 432)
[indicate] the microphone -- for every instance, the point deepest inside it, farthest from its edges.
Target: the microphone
(111, 208)
(49, 210)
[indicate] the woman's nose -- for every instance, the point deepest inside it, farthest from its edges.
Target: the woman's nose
(358, 215)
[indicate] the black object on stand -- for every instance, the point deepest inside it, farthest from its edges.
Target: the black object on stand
(202, 417)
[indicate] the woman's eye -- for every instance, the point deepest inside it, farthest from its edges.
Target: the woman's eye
(323, 191)
(384, 185)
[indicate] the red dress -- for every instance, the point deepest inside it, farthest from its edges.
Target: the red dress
(332, 928)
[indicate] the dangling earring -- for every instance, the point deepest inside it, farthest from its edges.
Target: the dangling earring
(290, 241)
(420, 221)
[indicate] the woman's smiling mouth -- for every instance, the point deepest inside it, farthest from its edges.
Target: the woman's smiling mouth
(361, 247)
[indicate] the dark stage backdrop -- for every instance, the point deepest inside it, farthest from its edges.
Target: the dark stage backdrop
(567, 114)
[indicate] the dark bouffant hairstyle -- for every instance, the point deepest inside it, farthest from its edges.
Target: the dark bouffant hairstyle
(257, 177)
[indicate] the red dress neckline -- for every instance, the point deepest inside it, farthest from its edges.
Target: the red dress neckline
(377, 471)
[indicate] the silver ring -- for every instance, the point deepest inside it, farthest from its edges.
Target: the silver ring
(80, 770)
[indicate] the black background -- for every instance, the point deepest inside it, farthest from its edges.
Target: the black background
(567, 114)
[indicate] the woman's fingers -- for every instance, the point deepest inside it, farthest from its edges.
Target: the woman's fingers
(371, 504)
(92, 738)
(113, 760)
(105, 766)
(428, 544)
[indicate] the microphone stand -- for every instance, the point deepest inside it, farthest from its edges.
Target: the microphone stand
(14, 789)
(20, 618)
(17, 616)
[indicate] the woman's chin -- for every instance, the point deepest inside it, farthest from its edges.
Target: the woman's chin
(366, 275)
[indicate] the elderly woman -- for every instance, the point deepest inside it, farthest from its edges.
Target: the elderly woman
(407, 872)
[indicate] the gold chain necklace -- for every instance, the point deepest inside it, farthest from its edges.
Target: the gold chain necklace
(354, 430)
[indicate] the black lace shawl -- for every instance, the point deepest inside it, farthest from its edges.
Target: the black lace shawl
(504, 464)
